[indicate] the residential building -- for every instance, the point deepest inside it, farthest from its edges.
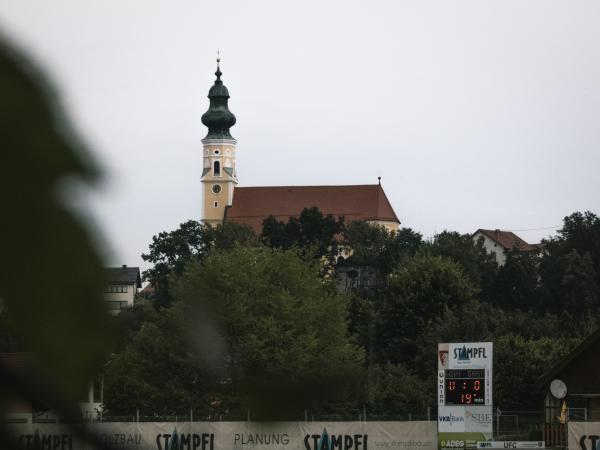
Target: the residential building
(500, 243)
(122, 283)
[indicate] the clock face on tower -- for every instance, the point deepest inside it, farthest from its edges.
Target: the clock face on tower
(216, 188)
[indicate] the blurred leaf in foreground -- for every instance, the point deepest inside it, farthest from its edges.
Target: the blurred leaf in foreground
(50, 272)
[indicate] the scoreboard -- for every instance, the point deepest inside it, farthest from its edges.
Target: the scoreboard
(464, 394)
(464, 387)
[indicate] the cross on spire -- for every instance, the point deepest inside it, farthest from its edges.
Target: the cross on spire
(218, 72)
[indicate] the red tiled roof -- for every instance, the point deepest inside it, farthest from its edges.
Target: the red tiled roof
(251, 205)
(508, 240)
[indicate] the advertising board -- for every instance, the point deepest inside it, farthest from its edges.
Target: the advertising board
(233, 436)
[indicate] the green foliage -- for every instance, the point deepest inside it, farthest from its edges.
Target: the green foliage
(394, 390)
(581, 232)
(248, 327)
(284, 330)
(518, 365)
(569, 269)
(311, 233)
(516, 285)
(373, 246)
(51, 280)
(477, 264)
(266, 327)
(580, 294)
(159, 371)
(192, 241)
(419, 292)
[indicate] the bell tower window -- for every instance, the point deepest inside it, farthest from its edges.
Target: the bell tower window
(217, 169)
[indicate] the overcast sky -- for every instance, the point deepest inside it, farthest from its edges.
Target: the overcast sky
(476, 114)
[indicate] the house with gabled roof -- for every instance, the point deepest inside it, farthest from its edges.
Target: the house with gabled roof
(225, 201)
(500, 243)
(121, 285)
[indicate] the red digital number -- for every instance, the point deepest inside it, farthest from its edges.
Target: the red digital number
(452, 385)
(477, 385)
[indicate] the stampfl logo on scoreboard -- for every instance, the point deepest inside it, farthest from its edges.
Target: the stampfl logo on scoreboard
(476, 355)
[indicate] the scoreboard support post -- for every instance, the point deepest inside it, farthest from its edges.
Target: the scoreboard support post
(464, 394)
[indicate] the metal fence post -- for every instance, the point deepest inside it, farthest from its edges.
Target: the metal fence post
(191, 415)
(137, 415)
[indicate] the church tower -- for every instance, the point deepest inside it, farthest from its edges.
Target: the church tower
(219, 176)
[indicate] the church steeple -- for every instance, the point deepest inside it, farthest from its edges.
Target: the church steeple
(219, 176)
(218, 118)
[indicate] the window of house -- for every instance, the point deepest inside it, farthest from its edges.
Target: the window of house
(115, 289)
(217, 169)
(216, 204)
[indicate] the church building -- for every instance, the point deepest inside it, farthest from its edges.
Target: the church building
(225, 201)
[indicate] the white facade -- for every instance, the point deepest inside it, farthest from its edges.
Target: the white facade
(119, 296)
(492, 247)
(122, 283)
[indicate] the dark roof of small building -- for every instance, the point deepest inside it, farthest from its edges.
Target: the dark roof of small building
(251, 205)
(123, 275)
(508, 240)
(578, 367)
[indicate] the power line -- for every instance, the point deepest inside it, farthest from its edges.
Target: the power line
(540, 228)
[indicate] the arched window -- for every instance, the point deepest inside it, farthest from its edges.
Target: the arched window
(217, 169)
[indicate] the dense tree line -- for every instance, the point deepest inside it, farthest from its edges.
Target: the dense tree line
(281, 322)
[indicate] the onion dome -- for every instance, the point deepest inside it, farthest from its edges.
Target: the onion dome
(218, 118)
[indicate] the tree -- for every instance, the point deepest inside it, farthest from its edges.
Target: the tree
(311, 232)
(395, 390)
(581, 232)
(374, 247)
(248, 327)
(477, 264)
(171, 251)
(580, 293)
(283, 330)
(159, 372)
(419, 292)
(518, 365)
(570, 267)
(516, 284)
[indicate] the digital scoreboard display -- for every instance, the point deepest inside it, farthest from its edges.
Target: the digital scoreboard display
(464, 387)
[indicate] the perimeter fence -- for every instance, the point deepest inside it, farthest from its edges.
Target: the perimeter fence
(507, 425)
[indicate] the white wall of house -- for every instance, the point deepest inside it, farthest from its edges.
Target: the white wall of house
(115, 301)
(492, 247)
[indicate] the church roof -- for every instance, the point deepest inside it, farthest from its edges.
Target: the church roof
(251, 205)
